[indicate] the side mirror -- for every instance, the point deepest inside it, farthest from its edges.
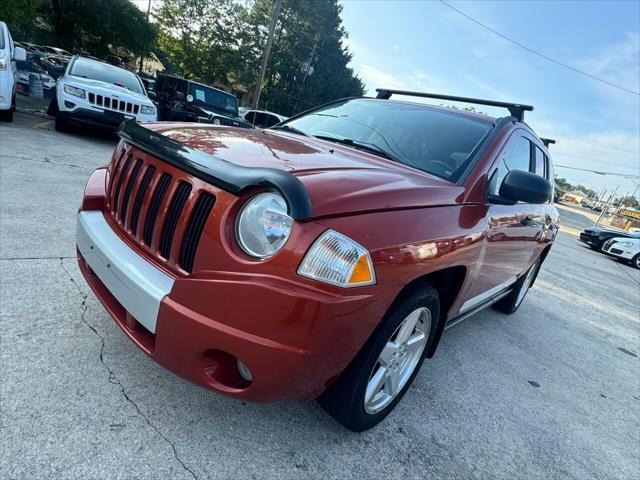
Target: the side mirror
(152, 95)
(19, 54)
(521, 186)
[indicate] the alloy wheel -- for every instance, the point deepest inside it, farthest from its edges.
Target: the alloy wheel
(398, 360)
(524, 288)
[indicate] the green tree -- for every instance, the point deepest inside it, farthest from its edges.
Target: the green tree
(628, 201)
(309, 62)
(221, 40)
(100, 26)
(197, 36)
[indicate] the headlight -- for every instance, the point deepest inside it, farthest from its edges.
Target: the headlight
(263, 225)
(338, 260)
(75, 91)
(148, 110)
(625, 244)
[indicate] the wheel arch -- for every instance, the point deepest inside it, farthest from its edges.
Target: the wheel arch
(448, 283)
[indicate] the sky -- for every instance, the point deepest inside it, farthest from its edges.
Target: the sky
(426, 46)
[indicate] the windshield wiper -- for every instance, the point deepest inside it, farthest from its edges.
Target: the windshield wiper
(367, 147)
(287, 128)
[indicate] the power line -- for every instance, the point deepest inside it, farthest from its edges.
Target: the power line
(535, 52)
(600, 172)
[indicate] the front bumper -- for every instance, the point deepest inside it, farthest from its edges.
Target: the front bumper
(592, 240)
(294, 338)
(100, 119)
(616, 250)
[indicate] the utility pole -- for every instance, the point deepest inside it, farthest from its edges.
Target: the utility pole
(606, 205)
(146, 35)
(267, 52)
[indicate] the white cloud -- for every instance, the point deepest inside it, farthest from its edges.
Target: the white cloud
(618, 63)
(375, 78)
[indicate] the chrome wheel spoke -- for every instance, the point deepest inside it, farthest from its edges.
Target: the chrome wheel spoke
(375, 384)
(387, 353)
(416, 342)
(408, 326)
(392, 383)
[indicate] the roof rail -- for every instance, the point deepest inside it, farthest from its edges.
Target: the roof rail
(515, 109)
(547, 141)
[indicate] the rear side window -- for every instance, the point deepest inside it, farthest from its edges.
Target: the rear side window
(517, 156)
(1, 37)
(539, 167)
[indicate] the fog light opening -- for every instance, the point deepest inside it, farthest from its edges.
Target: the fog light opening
(244, 371)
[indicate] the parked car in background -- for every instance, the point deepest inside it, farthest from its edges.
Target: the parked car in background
(54, 65)
(32, 48)
(27, 68)
(149, 84)
(261, 118)
(625, 249)
(596, 236)
(9, 55)
(101, 95)
(184, 100)
(321, 258)
(57, 51)
(114, 60)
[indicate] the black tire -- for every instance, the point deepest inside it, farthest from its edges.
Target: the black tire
(636, 261)
(61, 124)
(512, 302)
(344, 400)
(53, 107)
(7, 115)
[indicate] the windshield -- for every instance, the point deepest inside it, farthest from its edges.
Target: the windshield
(431, 140)
(214, 99)
(106, 73)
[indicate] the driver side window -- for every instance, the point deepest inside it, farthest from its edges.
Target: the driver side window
(517, 156)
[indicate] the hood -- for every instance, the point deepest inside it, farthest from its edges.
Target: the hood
(340, 180)
(111, 88)
(606, 232)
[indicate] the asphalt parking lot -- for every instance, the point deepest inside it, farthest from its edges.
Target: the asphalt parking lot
(550, 392)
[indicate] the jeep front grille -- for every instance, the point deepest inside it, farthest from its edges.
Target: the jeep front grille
(162, 214)
(113, 103)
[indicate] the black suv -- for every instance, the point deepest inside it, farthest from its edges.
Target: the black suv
(183, 100)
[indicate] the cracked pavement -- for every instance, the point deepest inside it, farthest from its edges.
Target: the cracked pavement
(551, 392)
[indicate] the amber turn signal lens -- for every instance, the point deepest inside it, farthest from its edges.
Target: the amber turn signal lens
(336, 259)
(361, 272)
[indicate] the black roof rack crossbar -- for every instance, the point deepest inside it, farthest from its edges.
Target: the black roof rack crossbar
(547, 141)
(515, 109)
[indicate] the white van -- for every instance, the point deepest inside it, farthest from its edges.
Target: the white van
(9, 54)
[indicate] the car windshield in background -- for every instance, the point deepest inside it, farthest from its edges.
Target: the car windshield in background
(106, 73)
(431, 140)
(214, 99)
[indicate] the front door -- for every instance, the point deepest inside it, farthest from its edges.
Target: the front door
(513, 232)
